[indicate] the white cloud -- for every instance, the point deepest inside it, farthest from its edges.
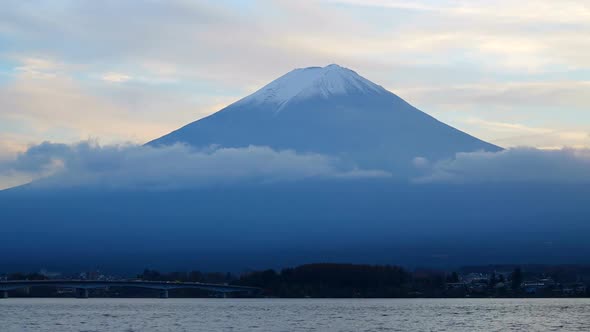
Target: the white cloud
(38, 67)
(89, 165)
(115, 77)
(525, 165)
(420, 162)
(132, 167)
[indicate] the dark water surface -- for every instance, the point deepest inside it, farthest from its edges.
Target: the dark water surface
(294, 315)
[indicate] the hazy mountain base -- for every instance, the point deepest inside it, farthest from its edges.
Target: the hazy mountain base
(236, 228)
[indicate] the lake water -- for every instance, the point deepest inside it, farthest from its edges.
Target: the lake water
(294, 315)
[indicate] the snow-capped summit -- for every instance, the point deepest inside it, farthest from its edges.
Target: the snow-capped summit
(331, 110)
(313, 81)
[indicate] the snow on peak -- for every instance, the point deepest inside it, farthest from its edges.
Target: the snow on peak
(311, 82)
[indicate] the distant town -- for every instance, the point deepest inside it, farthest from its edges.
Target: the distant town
(325, 280)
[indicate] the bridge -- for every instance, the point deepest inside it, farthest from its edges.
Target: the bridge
(82, 286)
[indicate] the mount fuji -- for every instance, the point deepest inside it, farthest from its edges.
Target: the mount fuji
(319, 113)
(330, 110)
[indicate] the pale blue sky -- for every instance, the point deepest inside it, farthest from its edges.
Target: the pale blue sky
(510, 72)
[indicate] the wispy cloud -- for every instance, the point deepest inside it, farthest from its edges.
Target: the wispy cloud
(540, 11)
(509, 127)
(59, 102)
(574, 94)
(395, 4)
(45, 99)
(115, 77)
(510, 134)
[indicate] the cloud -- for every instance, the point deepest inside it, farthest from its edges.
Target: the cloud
(572, 94)
(511, 134)
(38, 67)
(523, 165)
(410, 5)
(59, 103)
(233, 43)
(131, 167)
(508, 127)
(541, 11)
(44, 100)
(537, 114)
(115, 77)
(90, 165)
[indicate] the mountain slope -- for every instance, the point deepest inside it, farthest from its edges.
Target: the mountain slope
(330, 110)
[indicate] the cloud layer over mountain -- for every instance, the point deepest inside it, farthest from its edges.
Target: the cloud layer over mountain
(513, 165)
(88, 164)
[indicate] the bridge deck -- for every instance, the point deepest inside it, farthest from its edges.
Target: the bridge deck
(89, 284)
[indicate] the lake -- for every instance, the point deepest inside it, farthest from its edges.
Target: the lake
(294, 315)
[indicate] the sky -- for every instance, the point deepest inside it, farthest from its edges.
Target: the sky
(514, 73)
